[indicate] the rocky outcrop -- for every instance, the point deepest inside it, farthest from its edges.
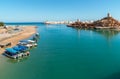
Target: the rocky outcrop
(106, 22)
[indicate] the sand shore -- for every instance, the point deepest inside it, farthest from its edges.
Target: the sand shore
(14, 39)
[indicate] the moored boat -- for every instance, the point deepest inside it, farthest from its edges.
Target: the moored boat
(21, 49)
(16, 52)
(28, 43)
(9, 52)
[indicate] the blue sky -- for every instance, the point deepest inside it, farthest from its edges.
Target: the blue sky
(42, 10)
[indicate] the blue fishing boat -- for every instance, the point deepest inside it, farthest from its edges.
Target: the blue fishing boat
(20, 48)
(15, 53)
(11, 53)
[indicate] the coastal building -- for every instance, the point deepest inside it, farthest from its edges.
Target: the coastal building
(58, 22)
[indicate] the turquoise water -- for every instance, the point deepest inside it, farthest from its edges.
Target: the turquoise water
(67, 53)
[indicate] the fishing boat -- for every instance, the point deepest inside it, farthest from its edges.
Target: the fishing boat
(32, 42)
(15, 54)
(20, 48)
(35, 37)
(28, 43)
(37, 34)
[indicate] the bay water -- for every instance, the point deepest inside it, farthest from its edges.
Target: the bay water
(67, 53)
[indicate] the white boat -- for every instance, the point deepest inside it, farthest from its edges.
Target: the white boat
(32, 42)
(28, 43)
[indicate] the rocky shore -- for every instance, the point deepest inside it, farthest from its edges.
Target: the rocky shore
(105, 23)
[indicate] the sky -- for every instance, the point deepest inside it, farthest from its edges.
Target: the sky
(47, 10)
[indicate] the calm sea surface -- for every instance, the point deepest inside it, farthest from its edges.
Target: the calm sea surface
(67, 53)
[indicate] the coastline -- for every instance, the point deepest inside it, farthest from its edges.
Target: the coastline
(107, 22)
(14, 39)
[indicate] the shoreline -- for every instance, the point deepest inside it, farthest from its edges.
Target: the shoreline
(15, 38)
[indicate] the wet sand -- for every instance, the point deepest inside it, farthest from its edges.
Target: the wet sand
(14, 39)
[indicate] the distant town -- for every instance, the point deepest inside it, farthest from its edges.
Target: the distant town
(58, 22)
(107, 22)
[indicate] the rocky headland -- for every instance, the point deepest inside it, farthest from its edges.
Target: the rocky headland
(105, 23)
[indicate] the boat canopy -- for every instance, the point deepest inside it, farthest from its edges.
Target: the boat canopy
(17, 48)
(22, 47)
(31, 41)
(25, 41)
(11, 50)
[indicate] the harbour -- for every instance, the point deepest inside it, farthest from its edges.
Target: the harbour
(22, 48)
(58, 53)
(59, 39)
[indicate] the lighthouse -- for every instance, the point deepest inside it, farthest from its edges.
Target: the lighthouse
(108, 15)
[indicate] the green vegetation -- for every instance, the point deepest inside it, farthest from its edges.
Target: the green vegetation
(1, 24)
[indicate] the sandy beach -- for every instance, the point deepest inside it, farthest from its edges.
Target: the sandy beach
(16, 37)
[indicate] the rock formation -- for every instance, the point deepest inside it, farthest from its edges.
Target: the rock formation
(106, 22)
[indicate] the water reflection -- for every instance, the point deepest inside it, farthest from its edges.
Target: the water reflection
(106, 33)
(10, 60)
(17, 60)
